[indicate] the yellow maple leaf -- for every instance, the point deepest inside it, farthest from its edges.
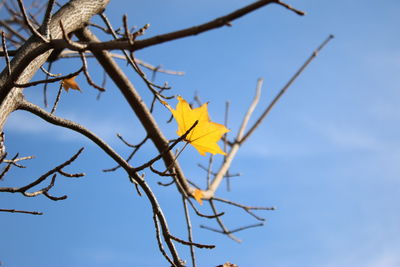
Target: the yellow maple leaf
(70, 83)
(205, 135)
(198, 195)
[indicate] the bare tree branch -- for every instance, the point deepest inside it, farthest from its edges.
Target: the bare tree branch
(140, 109)
(189, 231)
(191, 243)
(86, 72)
(21, 211)
(28, 23)
(25, 105)
(23, 190)
(54, 40)
(248, 209)
(33, 54)
(240, 139)
(52, 80)
(3, 42)
(283, 90)
(214, 24)
(161, 155)
(46, 19)
(221, 225)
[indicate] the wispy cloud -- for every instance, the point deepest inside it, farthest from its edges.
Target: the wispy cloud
(386, 258)
(316, 137)
(22, 122)
(345, 136)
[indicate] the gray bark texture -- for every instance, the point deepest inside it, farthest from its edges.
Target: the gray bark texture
(74, 15)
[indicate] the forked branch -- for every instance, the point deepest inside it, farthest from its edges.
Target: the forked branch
(241, 137)
(45, 191)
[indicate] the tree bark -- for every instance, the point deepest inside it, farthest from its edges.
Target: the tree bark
(74, 15)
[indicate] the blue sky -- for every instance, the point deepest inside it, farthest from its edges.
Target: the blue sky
(327, 156)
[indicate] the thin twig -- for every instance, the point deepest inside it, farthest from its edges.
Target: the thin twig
(103, 84)
(251, 109)
(104, 29)
(15, 160)
(191, 243)
(75, 54)
(39, 10)
(166, 184)
(28, 23)
(129, 144)
(131, 60)
(161, 218)
(47, 194)
(161, 155)
(3, 153)
(48, 72)
(136, 148)
(298, 12)
(228, 184)
(47, 19)
(3, 42)
(67, 39)
(86, 72)
(189, 231)
(221, 224)
(28, 106)
(229, 233)
(71, 175)
(216, 23)
(229, 175)
(246, 227)
(239, 140)
(136, 104)
(198, 213)
(140, 31)
(193, 184)
(52, 80)
(232, 152)
(23, 190)
(170, 167)
(248, 209)
(46, 84)
(134, 177)
(22, 211)
(209, 170)
(284, 89)
(128, 34)
(7, 168)
(162, 173)
(57, 99)
(12, 32)
(147, 81)
(159, 241)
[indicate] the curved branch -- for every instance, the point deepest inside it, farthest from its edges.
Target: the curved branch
(214, 24)
(73, 15)
(241, 138)
(28, 106)
(22, 211)
(284, 89)
(23, 190)
(139, 107)
(25, 105)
